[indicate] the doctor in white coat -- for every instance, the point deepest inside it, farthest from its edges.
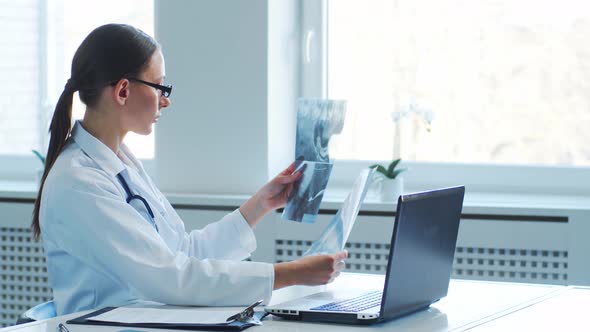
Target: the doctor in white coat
(110, 236)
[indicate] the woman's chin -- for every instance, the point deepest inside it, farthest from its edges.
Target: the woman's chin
(145, 131)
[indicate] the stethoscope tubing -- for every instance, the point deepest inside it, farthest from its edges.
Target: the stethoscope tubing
(131, 196)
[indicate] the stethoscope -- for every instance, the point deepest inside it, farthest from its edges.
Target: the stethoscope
(131, 196)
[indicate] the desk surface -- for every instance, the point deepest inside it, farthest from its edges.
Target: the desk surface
(477, 305)
(566, 311)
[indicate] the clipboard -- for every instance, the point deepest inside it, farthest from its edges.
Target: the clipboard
(240, 321)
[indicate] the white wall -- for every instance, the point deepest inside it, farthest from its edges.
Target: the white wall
(234, 66)
(214, 135)
(283, 81)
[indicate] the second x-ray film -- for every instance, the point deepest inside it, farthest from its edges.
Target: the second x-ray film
(304, 203)
(336, 234)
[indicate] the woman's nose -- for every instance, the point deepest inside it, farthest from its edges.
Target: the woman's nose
(164, 102)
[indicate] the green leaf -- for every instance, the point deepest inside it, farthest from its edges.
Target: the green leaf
(39, 155)
(380, 169)
(392, 167)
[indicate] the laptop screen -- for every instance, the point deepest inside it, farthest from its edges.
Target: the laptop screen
(422, 250)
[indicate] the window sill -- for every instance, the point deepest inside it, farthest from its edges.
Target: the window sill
(18, 190)
(27, 191)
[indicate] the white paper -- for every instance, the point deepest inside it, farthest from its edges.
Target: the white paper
(166, 316)
(335, 235)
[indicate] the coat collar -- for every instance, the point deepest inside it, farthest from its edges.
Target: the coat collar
(97, 150)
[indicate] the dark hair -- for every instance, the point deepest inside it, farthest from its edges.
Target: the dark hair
(108, 54)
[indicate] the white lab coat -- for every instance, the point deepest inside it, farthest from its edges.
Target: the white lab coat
(102, 251)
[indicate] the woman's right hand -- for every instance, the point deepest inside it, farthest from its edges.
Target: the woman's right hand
(310, 270)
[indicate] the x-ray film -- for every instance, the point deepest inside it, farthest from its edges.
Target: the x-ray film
(336, 234)
(317, 121)
(308, 191)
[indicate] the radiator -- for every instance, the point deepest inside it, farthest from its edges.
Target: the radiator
(23, 273)
(531, 249)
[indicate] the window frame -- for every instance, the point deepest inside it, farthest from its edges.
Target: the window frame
(487, 178)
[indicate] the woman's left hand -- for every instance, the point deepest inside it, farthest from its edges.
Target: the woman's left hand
(272, 195)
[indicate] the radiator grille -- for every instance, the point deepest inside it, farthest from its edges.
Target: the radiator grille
(494, 264)
(23, 274)
(362, 257)
(520, 265)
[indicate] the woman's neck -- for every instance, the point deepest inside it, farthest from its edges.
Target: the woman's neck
(105, 128)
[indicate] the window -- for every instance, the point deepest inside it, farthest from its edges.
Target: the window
(38, 41)
(465, 84)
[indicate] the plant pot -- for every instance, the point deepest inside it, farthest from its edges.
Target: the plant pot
(391, 189)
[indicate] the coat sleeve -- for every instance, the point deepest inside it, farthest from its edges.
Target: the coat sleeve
(105, 232)
(230, 238)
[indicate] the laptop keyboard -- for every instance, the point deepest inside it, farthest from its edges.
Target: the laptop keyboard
(356, 304)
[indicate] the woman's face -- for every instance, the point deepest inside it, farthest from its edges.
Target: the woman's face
(145, 102)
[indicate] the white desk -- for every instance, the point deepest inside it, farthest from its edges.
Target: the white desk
(566, 311)
(481, 306)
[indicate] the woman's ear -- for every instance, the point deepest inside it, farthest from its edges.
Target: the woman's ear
(121, 91)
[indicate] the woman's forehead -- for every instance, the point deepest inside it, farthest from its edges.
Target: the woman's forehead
(156, 66)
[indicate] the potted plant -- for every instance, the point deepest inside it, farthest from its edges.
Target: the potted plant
(391, 183)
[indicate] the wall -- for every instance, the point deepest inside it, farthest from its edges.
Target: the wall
(234, 70)
(283, 81)
(214, 134)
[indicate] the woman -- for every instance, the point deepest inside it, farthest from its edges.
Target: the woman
(109, 234)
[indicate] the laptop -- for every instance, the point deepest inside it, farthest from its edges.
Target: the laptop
(418, 269)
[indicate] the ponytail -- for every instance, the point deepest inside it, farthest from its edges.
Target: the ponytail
(60, 128)
(107, 54)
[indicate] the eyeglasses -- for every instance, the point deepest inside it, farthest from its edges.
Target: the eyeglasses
(165, 89)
